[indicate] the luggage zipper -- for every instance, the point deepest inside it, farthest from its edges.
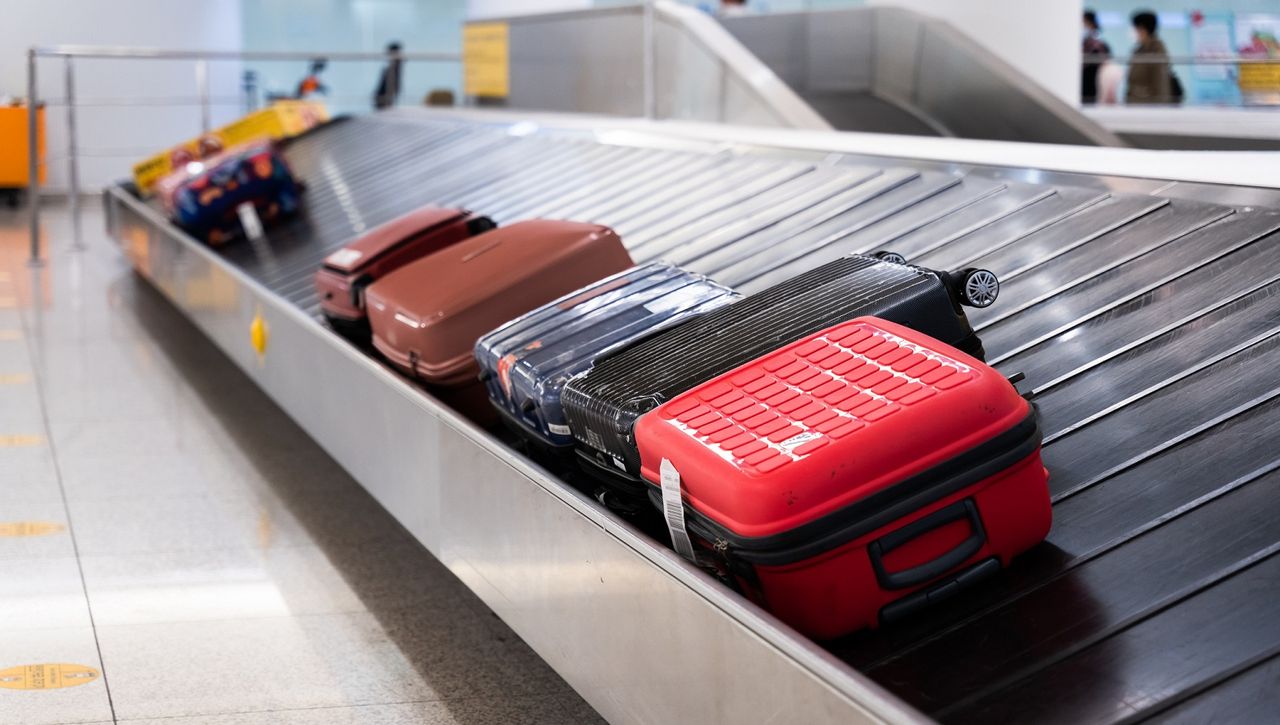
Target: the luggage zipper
(730, 569)
(720, 561)
(864, 516)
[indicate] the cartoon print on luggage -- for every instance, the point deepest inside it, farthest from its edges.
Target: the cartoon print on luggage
(204, 197)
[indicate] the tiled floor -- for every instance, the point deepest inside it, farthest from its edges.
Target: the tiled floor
(207, 558)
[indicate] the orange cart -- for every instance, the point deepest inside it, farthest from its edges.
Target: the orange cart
(14, 152)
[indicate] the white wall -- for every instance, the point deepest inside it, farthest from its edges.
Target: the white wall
(1039, 37)
(113, 138)
(498, 8)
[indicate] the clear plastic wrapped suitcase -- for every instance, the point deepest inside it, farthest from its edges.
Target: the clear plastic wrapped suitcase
(526, 362)
(603, 404)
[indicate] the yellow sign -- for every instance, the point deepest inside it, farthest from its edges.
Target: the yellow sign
(258, 334)
(8, 302)
(20, 441)
(485, 60)
(46, 677)
(14, 379)
(1260, 77)
(29, 528)
(10, 335)
(281, 119)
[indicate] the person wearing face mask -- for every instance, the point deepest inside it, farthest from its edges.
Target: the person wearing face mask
(1096, 52)
(1150, 78)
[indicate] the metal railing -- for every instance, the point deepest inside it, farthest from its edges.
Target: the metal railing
(1179, 60)
(657, 59)
(886, 69)
(203, 99)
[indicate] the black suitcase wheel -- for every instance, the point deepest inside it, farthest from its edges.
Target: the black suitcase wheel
(979, 287)
(480, 225)
(893, 257)
(618, 504)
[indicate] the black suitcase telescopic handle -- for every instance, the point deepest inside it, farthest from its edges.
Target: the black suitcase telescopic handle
(922, 573)
(357, 290)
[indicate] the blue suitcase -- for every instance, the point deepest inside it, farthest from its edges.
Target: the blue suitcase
(205, 198)
(526, 362)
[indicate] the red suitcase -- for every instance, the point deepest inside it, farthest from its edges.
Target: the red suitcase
(341, 282)
(851, 477)
(427, 315)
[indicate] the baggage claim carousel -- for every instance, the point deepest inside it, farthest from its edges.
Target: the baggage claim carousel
(1144, 313)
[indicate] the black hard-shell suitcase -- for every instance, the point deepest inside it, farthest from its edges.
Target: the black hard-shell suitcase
(603, 404)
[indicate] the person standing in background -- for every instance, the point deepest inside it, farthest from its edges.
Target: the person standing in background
(389, 83)
(1096, 52)
(1150, 79)
(311, 84)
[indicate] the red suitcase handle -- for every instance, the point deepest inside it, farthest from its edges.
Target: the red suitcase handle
(944, 562)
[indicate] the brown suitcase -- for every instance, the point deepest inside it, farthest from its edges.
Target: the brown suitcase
(347, 272)
(427, 315)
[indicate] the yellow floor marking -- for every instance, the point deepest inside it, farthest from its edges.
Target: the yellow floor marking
(7, 335)
(20, 441)
(46, 676)
(29, 528)
(14, 379)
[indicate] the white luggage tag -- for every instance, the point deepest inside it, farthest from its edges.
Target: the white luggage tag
(249, 221)
(673, 509)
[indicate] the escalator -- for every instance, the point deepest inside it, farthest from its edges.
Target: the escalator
(891, 70)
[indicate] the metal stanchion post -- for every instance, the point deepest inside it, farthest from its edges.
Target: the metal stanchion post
(33, 156)
(722, 111)
(202, 88)
(650, 101)
(73, 155)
